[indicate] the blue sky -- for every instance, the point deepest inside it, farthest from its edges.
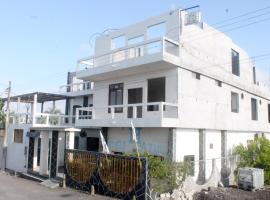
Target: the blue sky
(40, 41)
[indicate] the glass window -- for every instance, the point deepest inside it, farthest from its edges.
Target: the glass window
(18, 136)
(235, 63)
(116, 96)
(254, 109)
(234, 102)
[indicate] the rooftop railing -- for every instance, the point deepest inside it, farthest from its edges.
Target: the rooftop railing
(76, 87)
(159, 45)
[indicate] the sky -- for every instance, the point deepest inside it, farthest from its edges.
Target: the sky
(40, 41)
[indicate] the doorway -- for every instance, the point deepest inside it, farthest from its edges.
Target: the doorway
(92, 144)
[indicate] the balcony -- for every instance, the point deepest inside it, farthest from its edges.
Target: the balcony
(77, 89)
(151, 55)
(41, 120)
(27, 112)
(158, 114)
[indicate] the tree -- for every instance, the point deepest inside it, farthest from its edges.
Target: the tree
(256, 154)
(2, 112)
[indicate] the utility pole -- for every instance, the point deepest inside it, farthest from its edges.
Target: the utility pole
(4, 151)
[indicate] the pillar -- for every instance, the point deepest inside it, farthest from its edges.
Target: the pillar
(44, 150)
(201, 177)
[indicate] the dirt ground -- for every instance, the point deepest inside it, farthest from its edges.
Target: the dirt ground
(232, 194)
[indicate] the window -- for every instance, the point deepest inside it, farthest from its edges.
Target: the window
(156, 92)
(268, 113)
(235, 63)
(254, 75)
(18, 135)
(196, 75)
(116, 96)
(218, 83)
(234, 102)
(254, 109)
(190, 159)
(118, 42)
(156, 30)
(76, 142)
(135, 97)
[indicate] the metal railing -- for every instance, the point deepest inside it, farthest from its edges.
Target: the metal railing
(159, 45)
(76, 87)
(139, 110)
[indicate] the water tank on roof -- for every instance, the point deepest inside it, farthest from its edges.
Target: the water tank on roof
(251, 178)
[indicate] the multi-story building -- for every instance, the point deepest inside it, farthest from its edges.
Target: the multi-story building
(189, 90)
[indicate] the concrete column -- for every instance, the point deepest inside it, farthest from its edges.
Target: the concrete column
(224, 157)
(44, 150)
(34, 109)
(172, 144)
(71, 140)
(201, 177)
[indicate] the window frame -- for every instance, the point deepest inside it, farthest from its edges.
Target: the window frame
(16, 139)
(236, 95)
(235, 63)
(254, 116)
(116, 87)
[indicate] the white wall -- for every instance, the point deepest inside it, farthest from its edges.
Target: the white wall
(100, 98)
(236, 138)
(187, 143)
(153, 140)
(205, 105)
(212, 137)
(16, 157)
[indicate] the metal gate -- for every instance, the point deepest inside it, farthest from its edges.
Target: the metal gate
(121, 177)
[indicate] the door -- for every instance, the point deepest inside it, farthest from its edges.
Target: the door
(54, 148)
(92, 144)
(135, 97)
(31, 153)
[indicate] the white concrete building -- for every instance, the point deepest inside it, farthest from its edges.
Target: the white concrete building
(190, 91)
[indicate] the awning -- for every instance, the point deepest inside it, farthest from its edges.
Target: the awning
(33, 134)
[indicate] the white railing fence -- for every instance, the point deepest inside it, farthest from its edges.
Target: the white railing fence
(159, 45)
(139, 110)
(76, 87)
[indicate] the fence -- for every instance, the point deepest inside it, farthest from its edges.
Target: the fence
(121, 177)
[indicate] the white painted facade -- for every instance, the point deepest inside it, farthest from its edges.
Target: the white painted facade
(196, 62)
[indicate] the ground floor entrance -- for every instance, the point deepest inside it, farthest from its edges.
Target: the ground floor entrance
(46, 152)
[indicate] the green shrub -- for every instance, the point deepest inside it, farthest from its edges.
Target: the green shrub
(256, 154)
(164, 174)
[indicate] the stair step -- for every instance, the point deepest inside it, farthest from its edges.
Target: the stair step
(31, 177)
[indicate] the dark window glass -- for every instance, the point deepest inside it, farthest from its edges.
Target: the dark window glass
(254, 109)
(234, 102)
(156, 90)
(235, 63)
(76, 142)
(254, 75)
(116, 96)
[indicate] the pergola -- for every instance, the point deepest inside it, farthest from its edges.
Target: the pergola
(40, 97)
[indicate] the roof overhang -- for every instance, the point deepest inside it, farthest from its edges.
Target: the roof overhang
(41, 97)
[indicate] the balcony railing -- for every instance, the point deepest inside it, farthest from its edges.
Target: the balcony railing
(76, 87)
(160, 45)
(140, 110)
(41, 119)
